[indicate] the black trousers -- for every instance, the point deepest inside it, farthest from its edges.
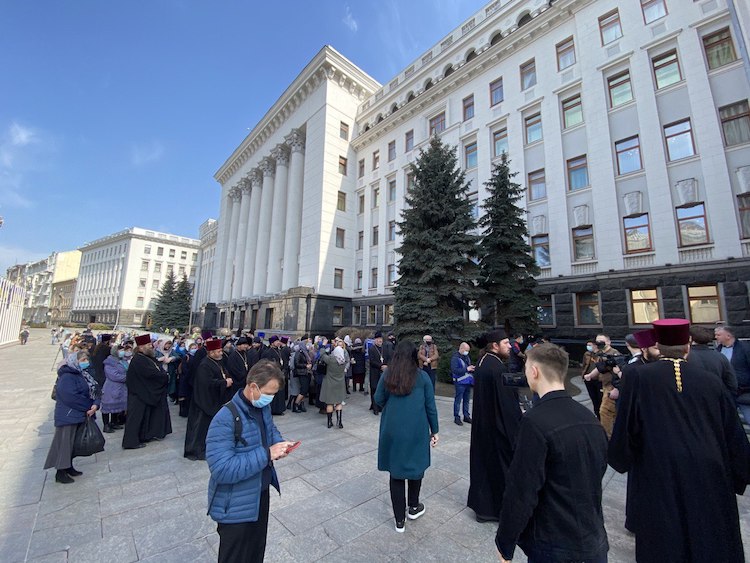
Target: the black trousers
(398, 496)
(245, 542)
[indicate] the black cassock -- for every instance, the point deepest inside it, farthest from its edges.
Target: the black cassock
(688, 456)
(238, 364)
(278, 405)
(495, 421)
(210, 392)
(148, 412)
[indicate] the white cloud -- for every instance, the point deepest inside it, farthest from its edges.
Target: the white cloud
(349, 20)
(147, 153)
(17, 155)
(20, 136)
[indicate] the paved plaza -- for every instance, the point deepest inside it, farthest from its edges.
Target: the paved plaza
(150, 504)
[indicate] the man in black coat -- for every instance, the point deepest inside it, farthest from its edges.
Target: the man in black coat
(148, 412)
(709, 359)
(101, 353)
(273, 353)
(378, 364)
(238, 364)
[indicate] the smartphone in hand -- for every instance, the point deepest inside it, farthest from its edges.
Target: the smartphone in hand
(293, 447)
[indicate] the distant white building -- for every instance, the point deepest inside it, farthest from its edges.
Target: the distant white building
(121, 275)
(206, 260)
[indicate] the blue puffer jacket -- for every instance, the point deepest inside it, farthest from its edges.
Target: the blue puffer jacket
(235, 485)
(73, 398)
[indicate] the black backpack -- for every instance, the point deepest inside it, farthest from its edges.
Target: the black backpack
(238, 439)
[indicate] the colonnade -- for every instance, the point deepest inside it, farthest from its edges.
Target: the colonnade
(260, 241)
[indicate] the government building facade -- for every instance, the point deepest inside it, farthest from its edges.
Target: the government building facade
(627, 122)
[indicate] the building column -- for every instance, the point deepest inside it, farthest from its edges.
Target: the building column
(222, 243)
(296, 142)
(278, 216)
(242, 236)
(228, 293)
(264, 228)
(256, 180)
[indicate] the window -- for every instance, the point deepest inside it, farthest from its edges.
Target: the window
(409, 140)
(653, 10)
(356, 315)
(566, 54)
(373, 278)
(170, 268)
(496, 92)
(139, 302)
(269, 317)
(637, 233)
(147, 249)
(361, 168)
(469, 107)
(587, 307)
(341, 201)
(359, 280)
(572, 111)
(679, 139)
(391, 230)
(533, 128)
(342, 165)
(171, 252)
(691, 222)
(620, 90)
(192, 271)
(545, 312)
(361, 198)
(154, 285)
(157, 268)
(376, 160)
(372, 313)
(375, 233)
(537, 185)
(628, 152)
(142, 283)
(499, 142)
(578, 173)
(195, 256)
(735, 122)
(666, 69)
(583, 243)
(719, 48)
(388, 314)
(470, 155)
(181, 271)
(144, 266)
(391, 190)
(375, 197)
(704, 304)
(340, 237)
(160, 251)
(391, 151)
(644, 305)
(609, 27)
(360, 240)
(437, 124)
(474, 204)
(337, 319)
(391, 274)
(183, 255)
(410, 181)
(528, 74)
(344, 131)
(540, 250)
(338, 278)
(743, 202)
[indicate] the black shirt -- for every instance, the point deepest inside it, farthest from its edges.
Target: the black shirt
(553, 498)
(257, 416)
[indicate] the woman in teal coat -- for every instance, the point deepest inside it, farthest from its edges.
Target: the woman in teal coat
(408, 427)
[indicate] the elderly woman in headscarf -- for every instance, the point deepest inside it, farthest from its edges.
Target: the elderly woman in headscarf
(115, 391)
(333, 390)
(77, 396)
(169, 361)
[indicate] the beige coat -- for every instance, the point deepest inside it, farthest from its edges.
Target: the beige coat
(432, 358)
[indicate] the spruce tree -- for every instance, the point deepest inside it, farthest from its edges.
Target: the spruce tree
(181, 305)
(507, 268)
(437, 271)
(163, 304)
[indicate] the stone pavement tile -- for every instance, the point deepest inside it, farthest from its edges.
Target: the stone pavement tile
(436, 480)
(21, 489)
(79, 510)
(287, 469)
(312, 544)
(113, 549)
(275, 553)
(124, 522)
(213, 542)
(140, 493)
(197, 550)
(167, 534)
(356, 553)
(466, 531)
(437, 547)
(292, 491)
(57, 557)
(459, 466)
(14, 543)
(331, 475)
(363, 487)
(458, 491)
(315, 510)
(359, 520)
(50, 540)
(329, 454)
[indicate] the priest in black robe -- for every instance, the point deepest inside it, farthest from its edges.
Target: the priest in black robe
(679, 435)
(238, 364)
(212, 388)
(273, 353)
(148, 413)
(496, 418)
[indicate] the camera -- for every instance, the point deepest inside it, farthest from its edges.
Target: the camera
(605, 362)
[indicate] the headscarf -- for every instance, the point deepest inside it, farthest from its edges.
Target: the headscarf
(95, 391)
(338, 353)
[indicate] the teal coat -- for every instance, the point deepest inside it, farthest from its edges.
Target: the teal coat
(406, 424)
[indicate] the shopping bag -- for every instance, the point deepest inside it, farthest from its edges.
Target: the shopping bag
(89, 439)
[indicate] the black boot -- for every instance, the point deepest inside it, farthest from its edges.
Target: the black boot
(330, 420)
(73, 472)
(290, 404)
(301, 407)
(108, 428)
(338, 419)
(62, 477)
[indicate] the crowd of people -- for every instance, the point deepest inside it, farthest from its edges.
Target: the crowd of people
(666, 413)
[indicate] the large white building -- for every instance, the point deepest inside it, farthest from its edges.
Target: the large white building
(121, 275)
(628, 122)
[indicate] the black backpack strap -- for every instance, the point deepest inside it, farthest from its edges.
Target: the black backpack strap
(237, 424)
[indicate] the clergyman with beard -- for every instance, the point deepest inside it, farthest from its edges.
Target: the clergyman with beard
(148, 412)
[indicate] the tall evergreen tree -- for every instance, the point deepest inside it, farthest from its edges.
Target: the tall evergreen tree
(163, 304)
(507, 268)
(437, 271)
(181, 305)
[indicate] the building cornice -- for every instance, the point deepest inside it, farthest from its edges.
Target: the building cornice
(327, 65)
(131, 233)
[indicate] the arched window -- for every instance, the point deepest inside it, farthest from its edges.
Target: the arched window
(496, 38)
(409, 97)
(524, 19)
(394, 108)
(379, 118)
(428, 84)
(471, 56)
(367, 128)
(448, 71)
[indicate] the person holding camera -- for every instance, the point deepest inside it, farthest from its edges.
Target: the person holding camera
(607, 368)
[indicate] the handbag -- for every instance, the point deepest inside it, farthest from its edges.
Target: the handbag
(88, 440)
(53, 395)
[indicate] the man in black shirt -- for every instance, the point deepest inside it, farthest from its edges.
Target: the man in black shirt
(552, 507)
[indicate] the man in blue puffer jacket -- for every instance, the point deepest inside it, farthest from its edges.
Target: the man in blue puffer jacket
(241, 465)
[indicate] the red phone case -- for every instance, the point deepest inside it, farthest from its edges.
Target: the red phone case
(293, 447)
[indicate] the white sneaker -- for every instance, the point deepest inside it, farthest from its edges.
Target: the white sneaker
(401, 526)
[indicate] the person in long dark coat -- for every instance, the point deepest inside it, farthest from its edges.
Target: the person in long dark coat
(188, 366)
(238, 364)
(148, 413)
(679, 435)
(273, 353)
(376, 357)
(286, 359)
(212, 388)
(495, 422)
(359, 369)
(101, 353)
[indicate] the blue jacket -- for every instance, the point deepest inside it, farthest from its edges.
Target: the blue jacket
(741, 364)
(236, 470)
(458, 370)
(73, 398)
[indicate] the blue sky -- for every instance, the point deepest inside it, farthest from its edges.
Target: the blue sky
(117, 114)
